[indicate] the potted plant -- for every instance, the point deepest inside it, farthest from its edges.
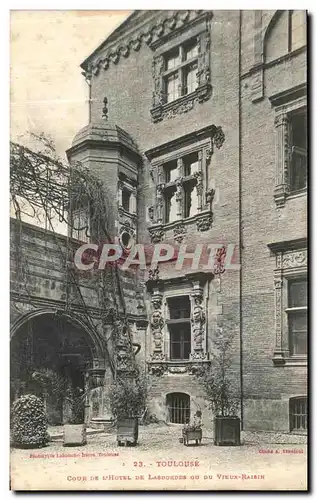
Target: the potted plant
(221, 389)
(127, 401)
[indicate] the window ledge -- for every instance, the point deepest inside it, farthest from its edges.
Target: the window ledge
(282, 194)
(202, 219)
(297, 194)
(181, 105)
(123, 211)
(290, 361)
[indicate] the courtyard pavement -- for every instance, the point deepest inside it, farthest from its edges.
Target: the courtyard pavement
(161, 462)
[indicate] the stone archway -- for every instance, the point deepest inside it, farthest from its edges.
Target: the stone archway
(52, 342)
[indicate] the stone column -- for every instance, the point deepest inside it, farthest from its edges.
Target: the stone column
(282, 158)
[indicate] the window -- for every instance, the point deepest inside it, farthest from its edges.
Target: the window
(291, 143)
(290, 290)
(181, 67)
(285, 34)
(298, 414)
(297, 317)
(178, 405)
(126, 199)
(180, 75)
(179, 327)
(182, 183)
(298, 151)
(183, 204)
(297, 29)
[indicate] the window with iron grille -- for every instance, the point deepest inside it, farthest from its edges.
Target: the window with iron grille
(178, 405)
(179, 327)
(297, 316)
(298, 413)
(298, 151)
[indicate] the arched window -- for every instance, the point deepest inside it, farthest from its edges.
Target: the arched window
(178, 405)
(285, 33)
(298, 413)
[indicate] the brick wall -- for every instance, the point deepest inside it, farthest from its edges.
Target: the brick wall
(266, 388)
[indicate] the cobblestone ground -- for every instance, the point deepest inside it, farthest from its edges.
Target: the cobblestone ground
(160, 462)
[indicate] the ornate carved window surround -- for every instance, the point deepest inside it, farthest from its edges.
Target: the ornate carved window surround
(197, 29)
(291, 263)
(161, 291)
(286, 103)
(201, 142)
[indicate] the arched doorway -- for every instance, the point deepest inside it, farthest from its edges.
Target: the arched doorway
(178, 405)
(51, 346)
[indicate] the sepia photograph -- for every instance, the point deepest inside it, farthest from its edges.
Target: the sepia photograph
(158, 250)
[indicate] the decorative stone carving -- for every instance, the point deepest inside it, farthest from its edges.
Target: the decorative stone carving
(157, 324)
(151, 212)
(198, 320)
(179, 233)
(219, 137)
(157, 72)
(151, 35)
(177, 369)
(295, 259)
(154, 274)
(124, 354)
(203, 72)
(282, 159)
(208, 152)
(105, 109)
(199, 356)
(136, 44)
(157, 369)
(156, 234)
(159, 202)
(210, 194)
(204, 222)
(173, 109)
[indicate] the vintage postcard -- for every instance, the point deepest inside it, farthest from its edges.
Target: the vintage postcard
(158, 242)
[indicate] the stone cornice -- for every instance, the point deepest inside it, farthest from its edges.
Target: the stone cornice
(283, 246)
(212, 131)
(151, 28)
(289, 95)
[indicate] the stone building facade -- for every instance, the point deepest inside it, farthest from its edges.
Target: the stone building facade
(198, 130)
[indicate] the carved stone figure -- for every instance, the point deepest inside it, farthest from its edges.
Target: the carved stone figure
(198, 320)
(157, 323)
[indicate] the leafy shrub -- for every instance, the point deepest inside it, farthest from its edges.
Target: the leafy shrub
(28, 422)
(217, 379)
(128, 397)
